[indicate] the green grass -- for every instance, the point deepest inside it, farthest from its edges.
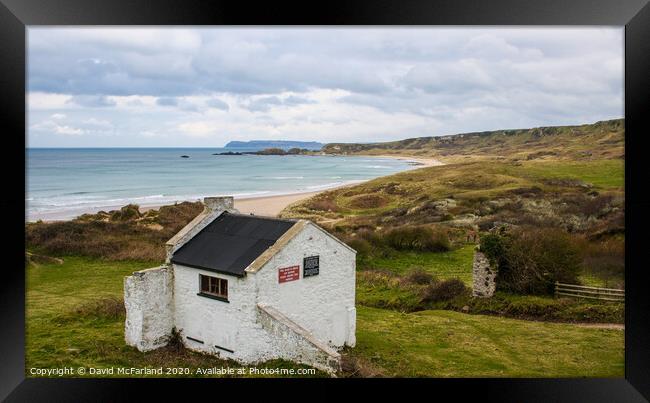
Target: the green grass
(451, 344)
(57, 337)
(456, 263)
(427, 343)
(603, 174)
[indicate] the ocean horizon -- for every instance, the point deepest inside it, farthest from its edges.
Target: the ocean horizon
(62, 183)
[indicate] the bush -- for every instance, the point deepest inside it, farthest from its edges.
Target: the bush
(443, 290)
(112, 240)
(362, 246)
(368, 201)
(323, 205)
(530, 260)
(104, 308)
(606, 260)
(419, 276)
(420, 238)
(126, 213)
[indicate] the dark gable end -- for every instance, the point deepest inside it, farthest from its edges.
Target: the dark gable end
(231, 242)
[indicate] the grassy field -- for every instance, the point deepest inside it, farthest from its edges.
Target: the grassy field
(456, 263)
(70, 323)
(451, 344)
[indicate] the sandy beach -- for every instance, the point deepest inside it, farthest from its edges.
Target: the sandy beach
(266, 205)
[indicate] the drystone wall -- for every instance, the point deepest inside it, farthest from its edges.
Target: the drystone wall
(484, 276)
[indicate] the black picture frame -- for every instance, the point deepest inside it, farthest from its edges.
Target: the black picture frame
(16, 15)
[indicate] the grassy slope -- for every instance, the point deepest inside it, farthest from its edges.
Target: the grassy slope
(451, 344)
(430, 343)
(468, 181)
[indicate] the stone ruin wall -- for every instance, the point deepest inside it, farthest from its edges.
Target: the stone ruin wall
(484, 276)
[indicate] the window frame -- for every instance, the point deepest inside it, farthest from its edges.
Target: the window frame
(216, 282)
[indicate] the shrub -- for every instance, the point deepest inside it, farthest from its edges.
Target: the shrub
(323, 205)
(530, 260)
(126, 213)
(606, 260)
(368, 201)
(360, 245)
(492, 245)
(114, 240)
(176, 216)
(443, 290)
(419, 276)
(105, 308)
(418, 238)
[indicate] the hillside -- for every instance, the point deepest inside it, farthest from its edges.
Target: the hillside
(585, 142)
(566, 179)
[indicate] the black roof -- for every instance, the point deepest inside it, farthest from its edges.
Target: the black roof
(231, 242)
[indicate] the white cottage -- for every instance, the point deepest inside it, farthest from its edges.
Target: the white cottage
(247, 288)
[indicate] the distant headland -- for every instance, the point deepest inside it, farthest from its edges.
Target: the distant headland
(282, 144)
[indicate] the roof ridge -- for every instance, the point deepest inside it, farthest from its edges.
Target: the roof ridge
(262, 217)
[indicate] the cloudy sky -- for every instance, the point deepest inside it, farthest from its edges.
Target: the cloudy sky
(196, 87)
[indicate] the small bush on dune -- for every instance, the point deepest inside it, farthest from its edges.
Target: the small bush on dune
(443, 290)
(418, 238)
(175, 217)
(126, 213)
(368, 201)
(112, 240)
(323, 205)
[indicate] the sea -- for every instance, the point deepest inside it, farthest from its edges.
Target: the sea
(64, 183)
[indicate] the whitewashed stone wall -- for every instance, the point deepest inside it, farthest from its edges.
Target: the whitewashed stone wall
(323, 304)
(232, 325)
(484, 283)
(297, 344)
(149, 309)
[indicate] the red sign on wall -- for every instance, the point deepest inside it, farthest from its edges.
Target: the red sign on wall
(286, 274)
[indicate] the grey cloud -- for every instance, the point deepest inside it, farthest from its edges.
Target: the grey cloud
(295, 100)
(263, 104)
(92, 101)
(266, 103)
(217, 104)
(167, 101)
(270, 61)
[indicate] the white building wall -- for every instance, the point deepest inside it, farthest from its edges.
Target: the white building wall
(148, 300)
(232, 325)
(322, 304)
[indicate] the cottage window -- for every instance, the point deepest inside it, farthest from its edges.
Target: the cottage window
(213, 287)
